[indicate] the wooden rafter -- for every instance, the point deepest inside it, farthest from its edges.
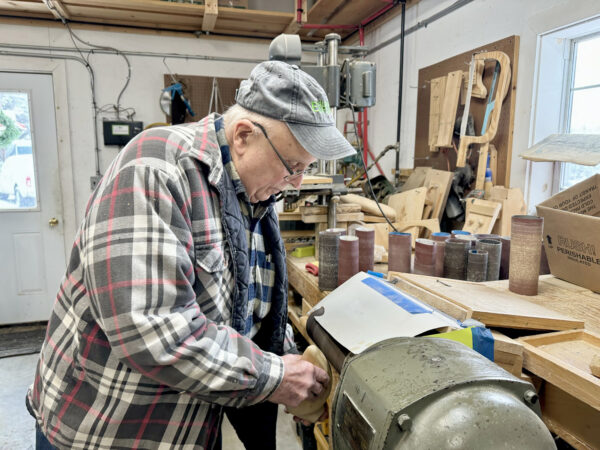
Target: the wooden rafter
(163, 16)
(211, 11)
(58, 9)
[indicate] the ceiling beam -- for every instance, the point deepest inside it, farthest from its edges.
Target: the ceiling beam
(57, 9)
(211, 11)
(294, 26)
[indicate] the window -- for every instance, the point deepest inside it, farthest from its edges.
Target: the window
(17, 171)
(582, 102)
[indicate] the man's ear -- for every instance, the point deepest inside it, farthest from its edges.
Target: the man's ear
(242, 133)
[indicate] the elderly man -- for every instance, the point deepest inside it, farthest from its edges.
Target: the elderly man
(173, 307)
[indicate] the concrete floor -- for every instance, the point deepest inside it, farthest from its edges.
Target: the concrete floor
(17, 427)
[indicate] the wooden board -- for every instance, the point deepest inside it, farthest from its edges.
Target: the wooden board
(438, 86)
(374, 219)
(440, 303)
(341, 208)
(346, 217)
(415, 179)
(567, 416)
(438, 183)
(504, 135)
(447, 115)
(305, 283)
(481, 215)
(563, 359)
(582, 303)
(495, 308)
(409, 206)
(315, 179)
(513, 203)
(508, 353)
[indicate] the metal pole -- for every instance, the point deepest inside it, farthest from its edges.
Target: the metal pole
(400, 83)
(332, 40)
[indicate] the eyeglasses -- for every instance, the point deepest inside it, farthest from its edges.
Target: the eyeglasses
(293, 174)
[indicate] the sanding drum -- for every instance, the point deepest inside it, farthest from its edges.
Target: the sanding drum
(440, 244)
(525, 252)
(505, 257)
(493, 247)
(328, 259)
(366, 248)
(425, 257)
(455, 258)
(399, 251)
(477, 261)
(348, 258)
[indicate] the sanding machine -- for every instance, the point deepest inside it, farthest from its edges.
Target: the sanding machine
(401, 390)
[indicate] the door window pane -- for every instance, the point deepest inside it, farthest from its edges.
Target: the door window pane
(17, 171)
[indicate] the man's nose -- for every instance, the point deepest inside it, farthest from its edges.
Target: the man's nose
(296, 182)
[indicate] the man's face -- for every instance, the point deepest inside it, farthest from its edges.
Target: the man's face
(261, 171)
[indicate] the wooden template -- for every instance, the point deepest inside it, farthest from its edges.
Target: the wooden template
(481, 215)
(502, 83)
(409, 206)
(438, 183)
(447, 115)
(504, 134)
(438, 87)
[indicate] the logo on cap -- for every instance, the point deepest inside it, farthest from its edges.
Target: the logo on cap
(320, 106)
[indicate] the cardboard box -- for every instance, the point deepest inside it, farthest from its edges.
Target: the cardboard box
(572, 233)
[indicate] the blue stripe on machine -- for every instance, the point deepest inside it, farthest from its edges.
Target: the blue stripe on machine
(404, 301)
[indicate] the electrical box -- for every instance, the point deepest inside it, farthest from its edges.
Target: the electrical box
(358, 84)
(120, 132)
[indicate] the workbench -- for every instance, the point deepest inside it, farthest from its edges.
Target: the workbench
(572, 417)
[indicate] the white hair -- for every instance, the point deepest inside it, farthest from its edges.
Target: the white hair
(236, 112)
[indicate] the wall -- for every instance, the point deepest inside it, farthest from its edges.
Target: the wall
(474, 24)
(110, 70)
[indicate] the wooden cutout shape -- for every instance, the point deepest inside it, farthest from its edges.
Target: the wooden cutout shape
(481, 215)
(503, 83)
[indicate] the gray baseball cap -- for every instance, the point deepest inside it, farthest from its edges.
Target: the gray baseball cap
(285, 92)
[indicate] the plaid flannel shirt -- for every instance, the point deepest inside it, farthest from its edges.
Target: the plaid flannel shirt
(139, 351)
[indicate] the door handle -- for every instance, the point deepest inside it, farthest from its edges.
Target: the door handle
(53, 222)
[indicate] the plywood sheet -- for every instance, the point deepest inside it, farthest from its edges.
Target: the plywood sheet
(495, 308)
(504, 135)
(564, 297)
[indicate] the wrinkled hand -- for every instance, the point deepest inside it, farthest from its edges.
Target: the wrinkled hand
(301, 380)
(321, 418)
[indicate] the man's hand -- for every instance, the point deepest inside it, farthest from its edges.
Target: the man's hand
(301, 380)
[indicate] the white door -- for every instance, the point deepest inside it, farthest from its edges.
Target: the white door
(32, 256)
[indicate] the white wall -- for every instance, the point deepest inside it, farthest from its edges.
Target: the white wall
(473, 25)
(141, 94)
